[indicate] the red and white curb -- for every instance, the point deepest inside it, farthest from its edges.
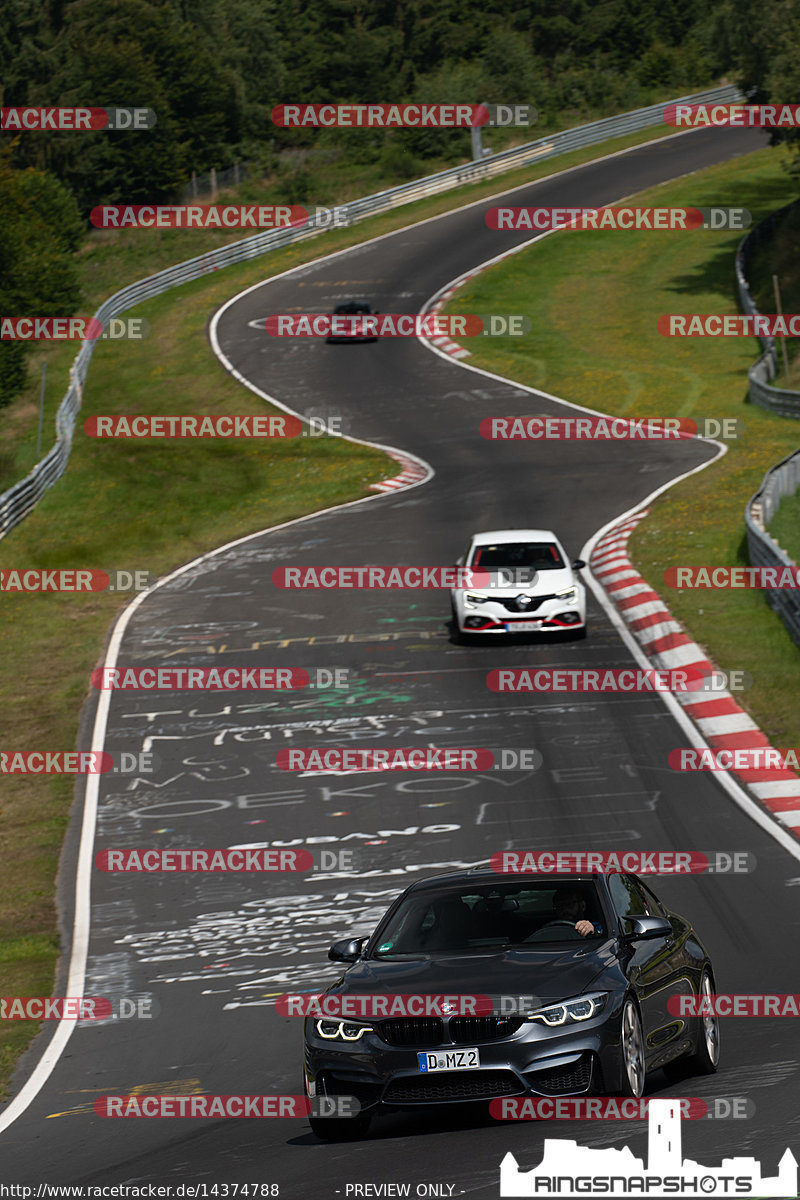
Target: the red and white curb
(722, 723)
(414, 471)
(440, 341)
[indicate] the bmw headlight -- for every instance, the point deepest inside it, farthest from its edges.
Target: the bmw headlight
(345, 1031)
(570, 1012)
(473, 598)
(569, 595)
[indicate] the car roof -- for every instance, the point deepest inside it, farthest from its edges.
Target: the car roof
(516, 535)
(451, 880)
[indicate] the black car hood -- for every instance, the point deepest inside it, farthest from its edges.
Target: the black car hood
(551, 975)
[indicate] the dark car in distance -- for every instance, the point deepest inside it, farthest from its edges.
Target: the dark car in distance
(591, 1015)
(353, 308)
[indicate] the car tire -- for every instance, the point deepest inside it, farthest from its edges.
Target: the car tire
(579, 634)
(460, 639)
(340, 1129)
(704, 1059)
(632, 1050)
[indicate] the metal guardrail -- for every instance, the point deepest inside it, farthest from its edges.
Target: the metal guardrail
(763, 551)
(19, 500)
(783, 401)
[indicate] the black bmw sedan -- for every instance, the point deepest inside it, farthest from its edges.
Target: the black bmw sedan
(525, 985)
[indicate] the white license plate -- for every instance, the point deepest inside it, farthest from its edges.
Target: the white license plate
(448, 1060)
(523, 626)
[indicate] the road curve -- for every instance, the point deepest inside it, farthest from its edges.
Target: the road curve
(213, 951)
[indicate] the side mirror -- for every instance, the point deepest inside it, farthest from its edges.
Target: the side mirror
(578, 564)
(645, 928)
(348, 951)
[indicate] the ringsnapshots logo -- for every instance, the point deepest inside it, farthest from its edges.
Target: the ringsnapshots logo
(72, 120)
(542, 220)
(567, 1169)
(402, 116)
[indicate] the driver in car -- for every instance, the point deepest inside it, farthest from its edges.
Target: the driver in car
(571, 906)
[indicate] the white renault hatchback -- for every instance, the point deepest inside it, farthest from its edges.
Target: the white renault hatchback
(518, 581)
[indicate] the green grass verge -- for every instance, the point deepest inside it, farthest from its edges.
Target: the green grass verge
(594, 299)
(111, 259)
(138, 505)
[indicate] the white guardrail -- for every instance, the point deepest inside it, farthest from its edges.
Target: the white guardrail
(19, 500)
(763, 551)
(783, 401)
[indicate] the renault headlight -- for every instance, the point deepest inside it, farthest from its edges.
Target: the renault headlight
(570, 1012)
(569, 595)
(473, 598)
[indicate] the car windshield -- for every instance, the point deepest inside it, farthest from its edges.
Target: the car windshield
(541, 556)
(485, 916)
(350, 309)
